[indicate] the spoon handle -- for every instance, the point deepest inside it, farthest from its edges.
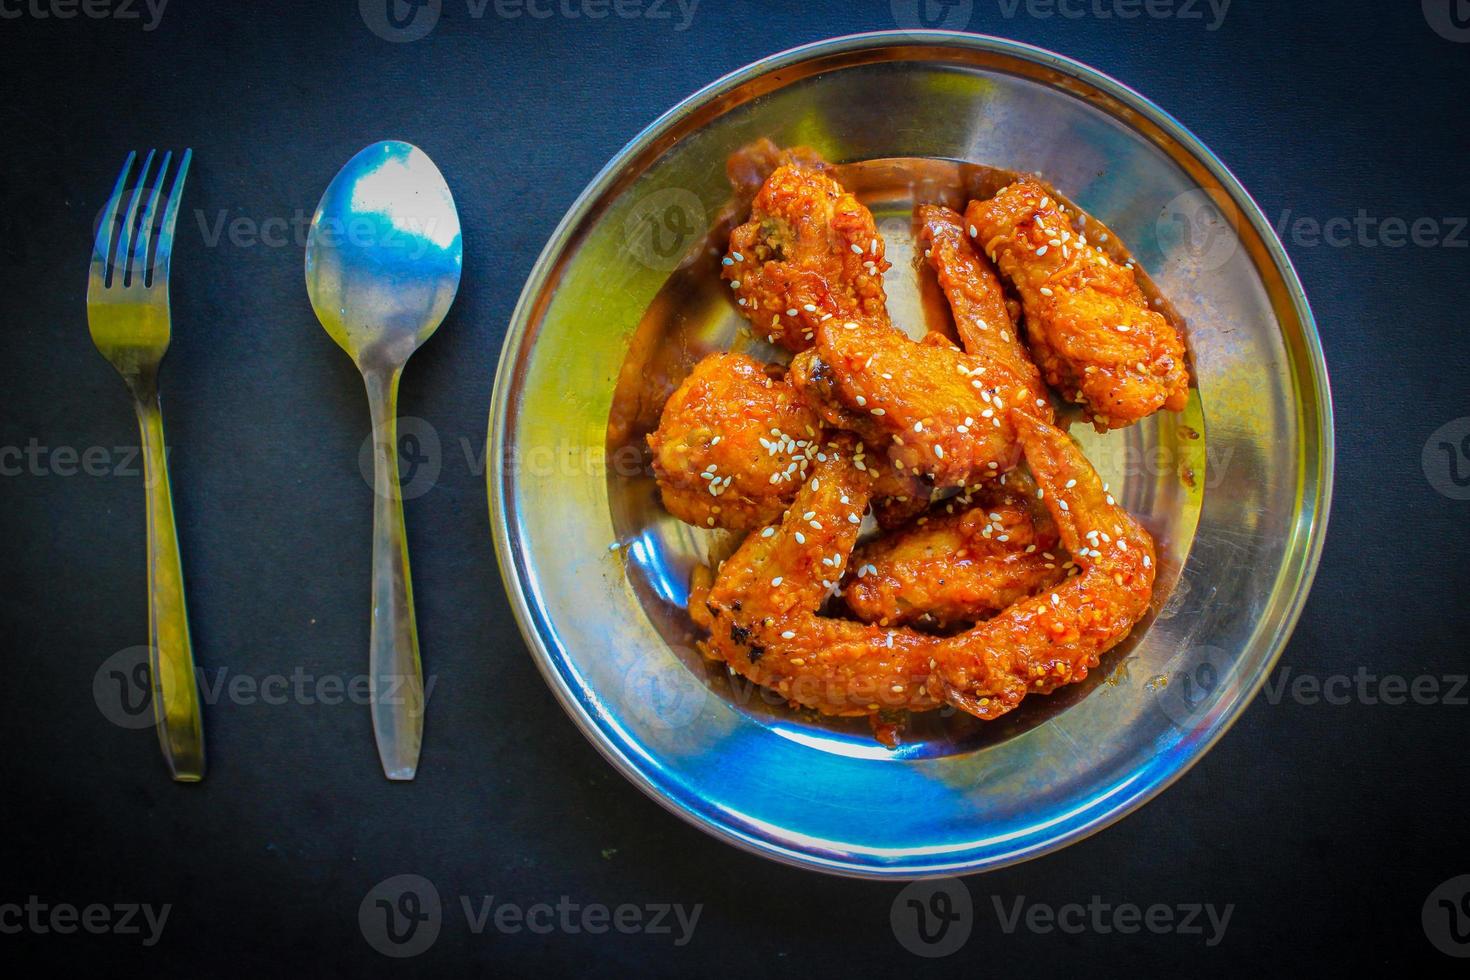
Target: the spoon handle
(397, 676)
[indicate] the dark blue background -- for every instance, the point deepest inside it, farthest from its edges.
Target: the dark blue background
(1326, 826)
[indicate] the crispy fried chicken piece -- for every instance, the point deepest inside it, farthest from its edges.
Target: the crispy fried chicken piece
(763, 606)
(1089, 325)
(809, 250)
(970, 557)
(736, 441)
(1055, 638)
(982, 317)
(940, 412)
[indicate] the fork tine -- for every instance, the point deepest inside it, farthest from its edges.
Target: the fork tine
(141, 270)
(125, 238)
(170, 218)
(102, 246)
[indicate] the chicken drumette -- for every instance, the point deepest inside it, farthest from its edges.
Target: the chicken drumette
(810, 250)
(970, 557)
(736, 441)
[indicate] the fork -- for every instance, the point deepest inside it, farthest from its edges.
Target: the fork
(128, 315)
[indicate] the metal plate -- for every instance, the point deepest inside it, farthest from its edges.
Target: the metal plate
(1236, 488)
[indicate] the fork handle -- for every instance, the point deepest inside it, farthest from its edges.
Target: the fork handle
(175, 695)
(393, 660)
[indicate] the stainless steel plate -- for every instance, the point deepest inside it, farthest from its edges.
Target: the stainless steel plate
(623, 300)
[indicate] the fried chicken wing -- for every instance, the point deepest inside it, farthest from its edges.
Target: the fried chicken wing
(1089, 325)
(810, 250)
(939, 411)
(735, 441)
(968, 558)
(982, 317)
(763, 608)
(1055, 638)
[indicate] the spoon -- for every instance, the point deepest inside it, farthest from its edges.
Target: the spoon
(383, 260)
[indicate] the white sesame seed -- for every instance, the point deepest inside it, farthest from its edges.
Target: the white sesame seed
(768, 532)
(787, 635)
(973, 231)
(856, 248)
(1041, 251)
(879, 411)
(1063, 505)
(776, 581)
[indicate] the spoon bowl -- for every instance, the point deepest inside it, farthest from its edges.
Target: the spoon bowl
(383, 261)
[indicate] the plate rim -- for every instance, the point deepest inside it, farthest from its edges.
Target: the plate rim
(520, 321)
